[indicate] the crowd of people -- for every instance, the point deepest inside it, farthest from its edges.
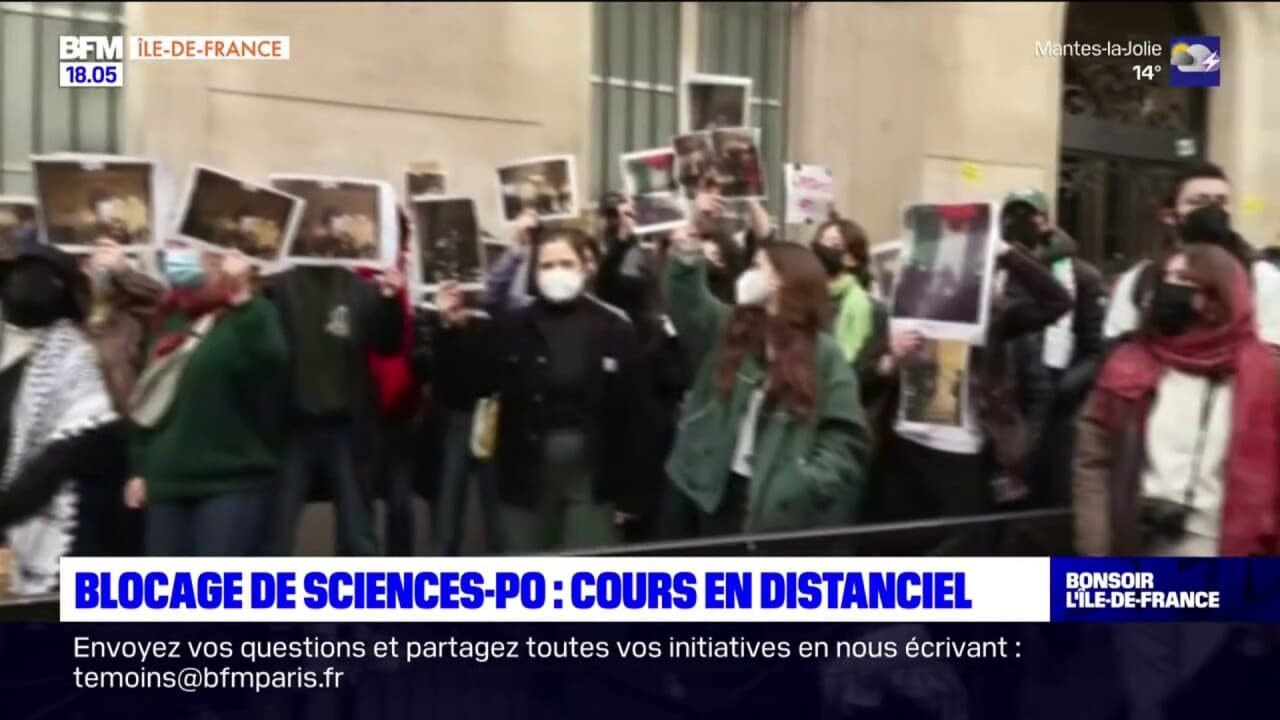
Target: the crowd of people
(618, 388)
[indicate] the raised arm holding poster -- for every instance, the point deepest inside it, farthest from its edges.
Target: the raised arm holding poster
(946, 271)
(716, 101)
(447, 243)
(810, 191)
(346, 221)
(425, 178)
(225, 212)
(547, 185)
(737, 162)
(86, 197)
(649, 177)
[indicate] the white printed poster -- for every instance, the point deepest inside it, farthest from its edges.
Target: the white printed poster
(810, 194)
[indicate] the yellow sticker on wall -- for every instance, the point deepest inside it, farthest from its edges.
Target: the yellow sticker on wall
(971, 172)
(1252, 205)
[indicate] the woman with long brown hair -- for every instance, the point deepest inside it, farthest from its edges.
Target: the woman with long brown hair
(841, 245)
(772, 435)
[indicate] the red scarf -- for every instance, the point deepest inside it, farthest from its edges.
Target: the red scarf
(398, 392)
(193, 305)
(1251, 496)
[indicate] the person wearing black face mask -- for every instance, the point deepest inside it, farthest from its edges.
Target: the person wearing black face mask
(1198, 212)
(1063, 358)
(841, 247)
(61, 439)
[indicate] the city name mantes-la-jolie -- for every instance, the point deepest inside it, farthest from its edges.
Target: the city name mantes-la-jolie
(1129, 49)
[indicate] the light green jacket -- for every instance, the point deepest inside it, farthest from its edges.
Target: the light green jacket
(854, 315)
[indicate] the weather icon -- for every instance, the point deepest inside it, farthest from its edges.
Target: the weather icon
(1195, 58)
(1196, 61)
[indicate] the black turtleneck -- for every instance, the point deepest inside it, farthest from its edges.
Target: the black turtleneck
(567, 331)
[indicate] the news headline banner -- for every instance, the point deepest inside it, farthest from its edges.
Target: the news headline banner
(562, 589)
(553, 589)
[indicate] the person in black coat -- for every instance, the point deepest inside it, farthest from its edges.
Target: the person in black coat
(572, 401)
(1068, 352)
(630, 280)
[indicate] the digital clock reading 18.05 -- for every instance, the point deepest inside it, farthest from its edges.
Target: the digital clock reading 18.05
(90, 74)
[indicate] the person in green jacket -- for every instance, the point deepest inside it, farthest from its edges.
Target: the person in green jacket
(203, 464)
(841, 246)
(772, 435)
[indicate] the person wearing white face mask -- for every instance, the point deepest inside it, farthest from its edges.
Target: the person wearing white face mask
(569, 382)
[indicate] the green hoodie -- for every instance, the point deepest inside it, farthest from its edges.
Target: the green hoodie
(853, 315)
(217, 436)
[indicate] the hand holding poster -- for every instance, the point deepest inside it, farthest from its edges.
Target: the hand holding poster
(86, 197)
(810, 193)
(649, 178)
(346, 221)
(448, 246)
(716, 101)
(424, 178)
(935, 379)
(694, 159)
(547, 185)
(17, 217)
(737, 162)
(945, 276)
(224, 212)
(885, 260)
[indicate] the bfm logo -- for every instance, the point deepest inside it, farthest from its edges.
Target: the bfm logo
(84, 47)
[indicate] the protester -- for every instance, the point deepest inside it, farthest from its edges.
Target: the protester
(1071, 348)
(630, 279)
(206, 438)
(861, 322)
(1199, 211)
(1179, 445)
(1179, 451)
(333, 320)
(957, 471)
(61, 441)
(399, 399)
(567, 376)
(841, 247)
(456, 402)
(772, 436)
(124, 300)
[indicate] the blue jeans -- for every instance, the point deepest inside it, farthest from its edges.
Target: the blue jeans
(226, 525)
(451, 504)
(328, 450)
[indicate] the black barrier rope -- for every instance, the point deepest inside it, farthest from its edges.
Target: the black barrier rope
(681, 547)
(46, 605)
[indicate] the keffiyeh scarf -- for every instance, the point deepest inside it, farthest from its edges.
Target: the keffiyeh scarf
(61, 395)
